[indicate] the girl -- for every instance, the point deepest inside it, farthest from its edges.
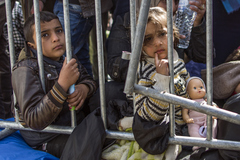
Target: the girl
(151, 122)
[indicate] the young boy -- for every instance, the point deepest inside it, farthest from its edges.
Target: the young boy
(39, 108)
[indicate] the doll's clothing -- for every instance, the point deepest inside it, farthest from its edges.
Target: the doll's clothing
(199, 121)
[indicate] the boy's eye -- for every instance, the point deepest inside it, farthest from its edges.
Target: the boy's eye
(44, 35)
(59, 30)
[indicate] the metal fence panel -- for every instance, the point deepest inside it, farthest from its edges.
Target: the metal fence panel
(130, 86)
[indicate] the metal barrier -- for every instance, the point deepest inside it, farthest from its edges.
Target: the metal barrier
(130, 86)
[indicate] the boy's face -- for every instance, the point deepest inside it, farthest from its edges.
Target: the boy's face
(155, 41)
(53, 39)
(196, 89)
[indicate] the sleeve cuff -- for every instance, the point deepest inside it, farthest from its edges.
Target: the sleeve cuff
(162, 82)
(57, 95)
(200, 28)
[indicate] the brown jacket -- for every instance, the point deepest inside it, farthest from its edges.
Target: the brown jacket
(38, 109)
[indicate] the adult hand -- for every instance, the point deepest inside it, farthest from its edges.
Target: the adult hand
(161, 66)
(69, 74)
(78, 97)
(41, 5)
(199, 6)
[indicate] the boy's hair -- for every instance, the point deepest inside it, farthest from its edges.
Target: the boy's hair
(158, 16)
(45, 16)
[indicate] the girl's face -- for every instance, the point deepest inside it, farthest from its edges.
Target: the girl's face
(155, 41)
(196, 89)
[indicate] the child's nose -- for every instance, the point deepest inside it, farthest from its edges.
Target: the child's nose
(55, 37)
(158, 41)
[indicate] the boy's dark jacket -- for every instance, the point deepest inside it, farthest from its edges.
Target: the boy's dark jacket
(36, 108)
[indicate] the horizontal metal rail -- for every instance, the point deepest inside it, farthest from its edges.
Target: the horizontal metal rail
(131, 87)
(189, 104)
(214, 143)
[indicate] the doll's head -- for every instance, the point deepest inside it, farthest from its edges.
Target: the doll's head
(196, 88)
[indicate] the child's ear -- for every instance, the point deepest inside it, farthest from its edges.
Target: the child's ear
(31, 45)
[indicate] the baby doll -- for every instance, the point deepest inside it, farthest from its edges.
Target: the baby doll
(196, 121)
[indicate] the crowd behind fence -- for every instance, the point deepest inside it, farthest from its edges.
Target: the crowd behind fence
(137, 35)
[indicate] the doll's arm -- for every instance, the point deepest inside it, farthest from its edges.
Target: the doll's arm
(186, 117)
(216, 106)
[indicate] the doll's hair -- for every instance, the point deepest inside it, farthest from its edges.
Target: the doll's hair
(191, 78)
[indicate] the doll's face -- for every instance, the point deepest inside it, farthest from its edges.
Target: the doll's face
(196, 89)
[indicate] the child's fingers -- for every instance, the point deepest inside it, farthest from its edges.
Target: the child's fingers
(79, 105)
(65, 62)
(72, 61)
(74, 94)
(156, 59)
(75, 65)
(74, 100)
(164, 63)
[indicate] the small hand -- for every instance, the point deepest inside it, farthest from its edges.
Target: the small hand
(190, 120)
(161, 66)
(214, 117)
(199, 6)
(78, 97)
(69, 74)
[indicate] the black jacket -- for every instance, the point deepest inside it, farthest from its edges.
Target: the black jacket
(152, 136)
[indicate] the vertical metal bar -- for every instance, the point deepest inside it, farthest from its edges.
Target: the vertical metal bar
(133, 20)
(209, 64)
(170, 61)
(68, 50)
(39, 42)
(11, 46)
(100, 60)
(136, 50)
(133, 32)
